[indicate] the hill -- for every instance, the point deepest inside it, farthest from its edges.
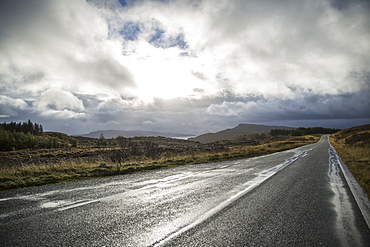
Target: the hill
(131, 133)
(232, 134)
(356, 136)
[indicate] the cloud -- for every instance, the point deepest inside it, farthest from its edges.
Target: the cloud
(249, 46)
(231, 108)
(148, 122)
(119, 104)
(304, 106)
(59, 100)
(65, 41)
(10, 107)
(199, 75)
(61, 114)
(298, 44)
(16, 103)
(59, 104)
(183, 64)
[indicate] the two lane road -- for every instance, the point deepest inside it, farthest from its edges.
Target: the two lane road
(293, 198)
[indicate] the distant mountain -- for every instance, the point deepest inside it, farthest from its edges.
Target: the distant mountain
(231, 134)
(130, 133)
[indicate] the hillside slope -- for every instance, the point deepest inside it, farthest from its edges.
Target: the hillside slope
(232, 134)
(353, 146)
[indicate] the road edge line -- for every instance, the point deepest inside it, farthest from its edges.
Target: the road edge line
(358, 193)
(250, 186)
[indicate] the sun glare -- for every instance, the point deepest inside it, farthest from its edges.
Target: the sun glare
(163, 75)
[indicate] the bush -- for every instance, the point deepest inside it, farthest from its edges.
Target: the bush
(361, 138)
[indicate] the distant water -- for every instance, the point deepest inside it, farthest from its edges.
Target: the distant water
(183, 137)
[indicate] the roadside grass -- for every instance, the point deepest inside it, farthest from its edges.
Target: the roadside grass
(63, 170)
(353, 146)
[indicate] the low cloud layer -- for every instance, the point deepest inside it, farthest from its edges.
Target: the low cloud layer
(184, 66)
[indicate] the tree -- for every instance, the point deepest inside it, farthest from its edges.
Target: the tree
(6, 140)
(74, 143)
(277, 132)
(30, 127)
(122, 141)
(102, 142)
(151, 149)
(36, 128)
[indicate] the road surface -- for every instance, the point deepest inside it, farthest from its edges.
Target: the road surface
(297, 197)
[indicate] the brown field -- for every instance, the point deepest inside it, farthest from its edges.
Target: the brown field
(27, 168)
(353, 146)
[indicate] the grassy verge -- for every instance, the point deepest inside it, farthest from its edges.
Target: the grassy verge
(355, 153)
(35, 174)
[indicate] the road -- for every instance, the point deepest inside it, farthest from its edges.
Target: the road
(297, 197)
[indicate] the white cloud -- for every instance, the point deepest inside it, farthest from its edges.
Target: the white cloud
(119, 104)
(15, 103)
(65, 41)
(59, 100)
(231, 108)
(62, 114)
(148, 122)
(184, 62)
(10, 107)
(247, 46)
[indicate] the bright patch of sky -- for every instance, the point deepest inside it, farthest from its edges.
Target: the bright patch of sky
(187, 66)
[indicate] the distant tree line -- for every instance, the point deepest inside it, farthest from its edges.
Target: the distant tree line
(11, 140)
(25, 127)
(303, 131)
(16, 136)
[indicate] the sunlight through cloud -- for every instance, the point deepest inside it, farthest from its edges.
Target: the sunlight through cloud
(226, 61)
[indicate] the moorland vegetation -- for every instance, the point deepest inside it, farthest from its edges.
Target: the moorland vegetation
(65, 158)
(353, 146)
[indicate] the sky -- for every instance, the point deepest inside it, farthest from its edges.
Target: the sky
(185, 66)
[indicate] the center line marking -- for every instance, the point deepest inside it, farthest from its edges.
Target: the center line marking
(77, 205)
(248, 186)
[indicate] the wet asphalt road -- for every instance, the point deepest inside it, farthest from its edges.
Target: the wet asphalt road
(291, 198)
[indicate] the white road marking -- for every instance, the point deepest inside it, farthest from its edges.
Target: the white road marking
(348, 233)
(248, 186)
(78, 205)
(54, 204)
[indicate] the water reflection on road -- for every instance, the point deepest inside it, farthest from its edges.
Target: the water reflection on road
(139, 209)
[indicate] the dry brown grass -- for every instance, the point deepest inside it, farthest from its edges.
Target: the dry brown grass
(34, 174)
(353, 146)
